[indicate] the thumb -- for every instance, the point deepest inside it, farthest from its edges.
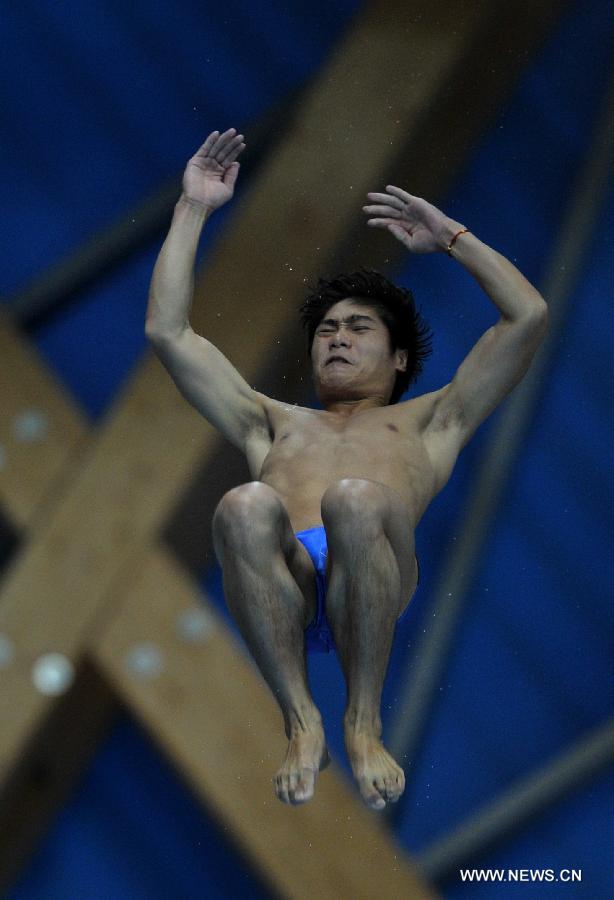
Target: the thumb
(231, 174)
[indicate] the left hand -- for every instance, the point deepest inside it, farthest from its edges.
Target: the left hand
(419, 225)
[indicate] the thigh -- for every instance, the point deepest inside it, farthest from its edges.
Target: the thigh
(386, 512)
(298, 560)
(252, 519)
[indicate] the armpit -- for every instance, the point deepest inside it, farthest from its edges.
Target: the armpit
(443, 444)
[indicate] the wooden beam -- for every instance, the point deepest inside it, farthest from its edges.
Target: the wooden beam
(41, 431)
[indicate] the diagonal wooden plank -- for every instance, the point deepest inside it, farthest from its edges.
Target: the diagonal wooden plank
(41, 431)
(117, 499)
(226, 737)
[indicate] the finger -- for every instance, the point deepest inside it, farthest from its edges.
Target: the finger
(222, 140)
(380, 223)
(208, 148)
(222, 156)
(225, 155)
(233, 155)
(386, 210)
(387, 199)
(209, 142)
(231, 174)
(398, 192)
(396, 230)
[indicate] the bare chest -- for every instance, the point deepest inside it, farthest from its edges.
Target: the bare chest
(309, 451)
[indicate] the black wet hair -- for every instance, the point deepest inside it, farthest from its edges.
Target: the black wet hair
(395, 306)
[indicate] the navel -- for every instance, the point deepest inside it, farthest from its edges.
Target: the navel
(392, 427)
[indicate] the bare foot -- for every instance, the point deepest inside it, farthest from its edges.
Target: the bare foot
(378, 776)
(305, 757)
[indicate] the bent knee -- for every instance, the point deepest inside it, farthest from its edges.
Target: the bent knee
(245, 506)
(356, 498)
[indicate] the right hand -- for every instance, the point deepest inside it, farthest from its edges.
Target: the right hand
(210, 175)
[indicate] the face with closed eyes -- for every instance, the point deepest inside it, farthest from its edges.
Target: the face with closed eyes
(351, 357)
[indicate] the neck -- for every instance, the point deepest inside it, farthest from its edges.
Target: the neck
(347, 408)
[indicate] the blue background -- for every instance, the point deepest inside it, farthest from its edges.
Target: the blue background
(101, 106)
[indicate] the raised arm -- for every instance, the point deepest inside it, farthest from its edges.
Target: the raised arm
(201, 372)
(503, 354)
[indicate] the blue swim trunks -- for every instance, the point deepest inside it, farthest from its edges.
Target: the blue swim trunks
(318, 634)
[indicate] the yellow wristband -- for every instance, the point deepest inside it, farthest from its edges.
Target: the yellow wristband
(458, 234)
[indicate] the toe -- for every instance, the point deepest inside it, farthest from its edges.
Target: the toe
(281, 788)
(294, 788)
(305, 786)
(392, 789)
(372, 796)
(381, 787)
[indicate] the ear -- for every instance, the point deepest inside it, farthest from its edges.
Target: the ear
(401, 360)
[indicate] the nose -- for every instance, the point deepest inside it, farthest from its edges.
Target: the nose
(340, 338)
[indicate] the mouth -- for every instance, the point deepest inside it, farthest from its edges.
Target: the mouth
(334, 359)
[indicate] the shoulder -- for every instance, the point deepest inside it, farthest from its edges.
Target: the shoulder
(276, 412)
(431, 412)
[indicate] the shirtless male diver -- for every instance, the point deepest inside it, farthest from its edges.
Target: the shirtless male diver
(357, 474)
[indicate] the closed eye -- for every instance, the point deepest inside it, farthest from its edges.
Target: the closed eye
(354, 328)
